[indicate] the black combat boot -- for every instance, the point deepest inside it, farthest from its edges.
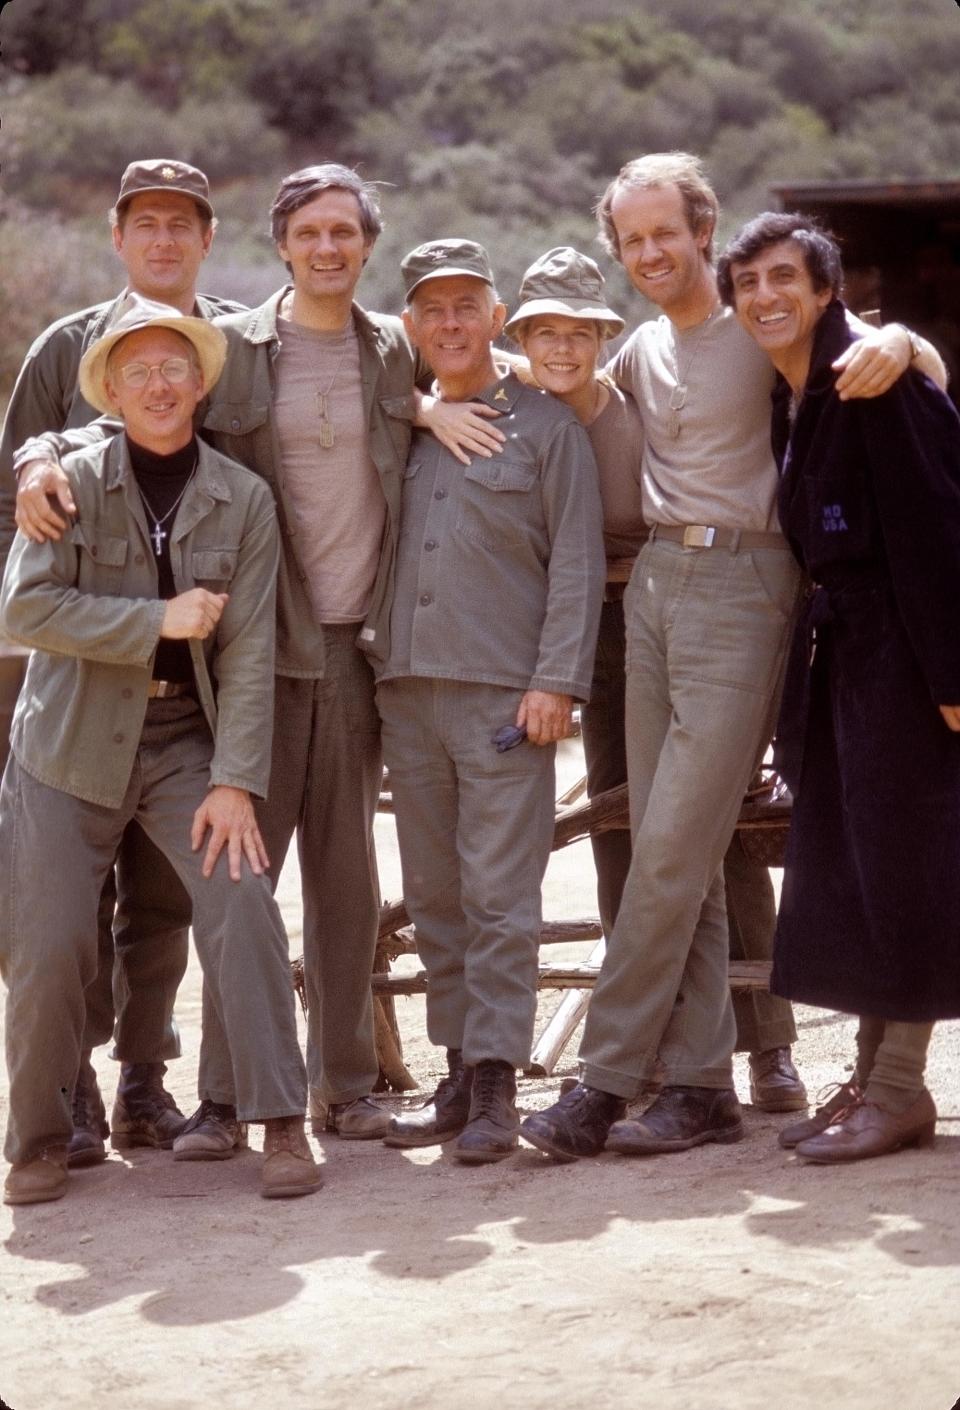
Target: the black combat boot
(90, 1127)
(443, 1116)
(144, 1113)
(493, 1125)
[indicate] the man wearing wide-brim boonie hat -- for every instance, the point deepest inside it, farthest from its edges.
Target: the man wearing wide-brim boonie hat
(566, 283)
(135, 313)
(149, 697)
(46, 398)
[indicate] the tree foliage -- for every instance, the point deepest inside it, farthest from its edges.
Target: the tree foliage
(507, 117)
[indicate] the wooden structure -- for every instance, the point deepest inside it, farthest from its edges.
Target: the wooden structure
(763, 824)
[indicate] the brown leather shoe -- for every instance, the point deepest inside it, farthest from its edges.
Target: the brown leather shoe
(843, 1094)
(866, 1129)
(442, 1117)
(211, 1133)
(288, 1164)
(775, 1083)
(680, 1118)
(38, 1180)
(360, 1120)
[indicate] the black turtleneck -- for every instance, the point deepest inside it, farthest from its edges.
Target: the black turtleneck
(161, 479)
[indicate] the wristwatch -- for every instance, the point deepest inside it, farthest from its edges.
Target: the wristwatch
(916, 347)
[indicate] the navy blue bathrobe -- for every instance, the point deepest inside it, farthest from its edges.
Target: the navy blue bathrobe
(870, 503)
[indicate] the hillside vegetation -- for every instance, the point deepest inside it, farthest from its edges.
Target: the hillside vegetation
(501, 119)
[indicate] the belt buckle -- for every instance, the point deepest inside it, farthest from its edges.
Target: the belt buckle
(699, 536)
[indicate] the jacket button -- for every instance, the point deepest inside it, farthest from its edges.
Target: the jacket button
(94, 551)
(127, 694)
(118, 739)
(138, 558)
(439, 494)
(426, 600)
(235, 425)
(430, 543)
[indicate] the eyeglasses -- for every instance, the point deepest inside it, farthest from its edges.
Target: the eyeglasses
(172, 369)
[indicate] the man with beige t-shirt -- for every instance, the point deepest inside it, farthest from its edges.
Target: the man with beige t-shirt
(708, 615)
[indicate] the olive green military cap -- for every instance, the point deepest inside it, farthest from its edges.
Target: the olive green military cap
(441, 259)
(164, 174)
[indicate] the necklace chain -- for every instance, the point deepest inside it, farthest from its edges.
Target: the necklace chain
(678, 393)
(158, 533)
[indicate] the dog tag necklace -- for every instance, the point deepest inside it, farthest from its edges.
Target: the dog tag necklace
(327, 437)
(158, 533)
(678, 393)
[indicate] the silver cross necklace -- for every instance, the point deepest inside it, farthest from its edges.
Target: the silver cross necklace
(158, 533)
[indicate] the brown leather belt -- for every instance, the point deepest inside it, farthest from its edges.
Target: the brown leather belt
(165, 690)
(707, 536)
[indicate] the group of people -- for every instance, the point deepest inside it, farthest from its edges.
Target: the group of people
(262, 552)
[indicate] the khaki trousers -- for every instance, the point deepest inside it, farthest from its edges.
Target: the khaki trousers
(706, 633)
(475, 829)
(48, 948)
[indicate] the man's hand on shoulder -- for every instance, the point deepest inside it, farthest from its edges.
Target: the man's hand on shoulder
(192, 614)
(227, 813)
(548, 717)
(43, 485)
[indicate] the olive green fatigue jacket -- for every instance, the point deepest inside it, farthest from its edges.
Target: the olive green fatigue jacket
(88, 605)
(238, 419)
(46, 396)
(501, 563)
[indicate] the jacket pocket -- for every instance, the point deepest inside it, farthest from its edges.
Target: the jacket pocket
(105, 550)
(212, 567)
(495, 507)
(234, 418)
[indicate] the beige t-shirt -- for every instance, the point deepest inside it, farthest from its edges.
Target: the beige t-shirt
(617, 439)
(708, 461)
(335, 491)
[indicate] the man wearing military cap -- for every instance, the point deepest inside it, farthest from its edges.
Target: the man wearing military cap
(482, 648)
(164, 583)
(162, 228)
(317, 397)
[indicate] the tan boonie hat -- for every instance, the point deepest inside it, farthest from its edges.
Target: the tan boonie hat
(136, 313)
(566, 282)
(165, 174)
(439, 259)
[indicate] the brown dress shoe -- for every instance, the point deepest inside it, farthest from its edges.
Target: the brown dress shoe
(843, 1094)
(866, 1129)
(443, 1116)
(775, 1083)
(360, 1120)
(288, 1164)
(37, 1180)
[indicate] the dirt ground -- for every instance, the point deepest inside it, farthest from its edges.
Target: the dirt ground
(726, 1277)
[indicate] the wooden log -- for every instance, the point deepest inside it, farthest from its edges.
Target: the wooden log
(744, 974)
(562, 1026)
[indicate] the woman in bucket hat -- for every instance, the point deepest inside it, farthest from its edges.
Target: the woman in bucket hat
(562, 324)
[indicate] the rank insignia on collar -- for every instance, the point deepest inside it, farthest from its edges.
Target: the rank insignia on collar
(501, 396)
(167, 173)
